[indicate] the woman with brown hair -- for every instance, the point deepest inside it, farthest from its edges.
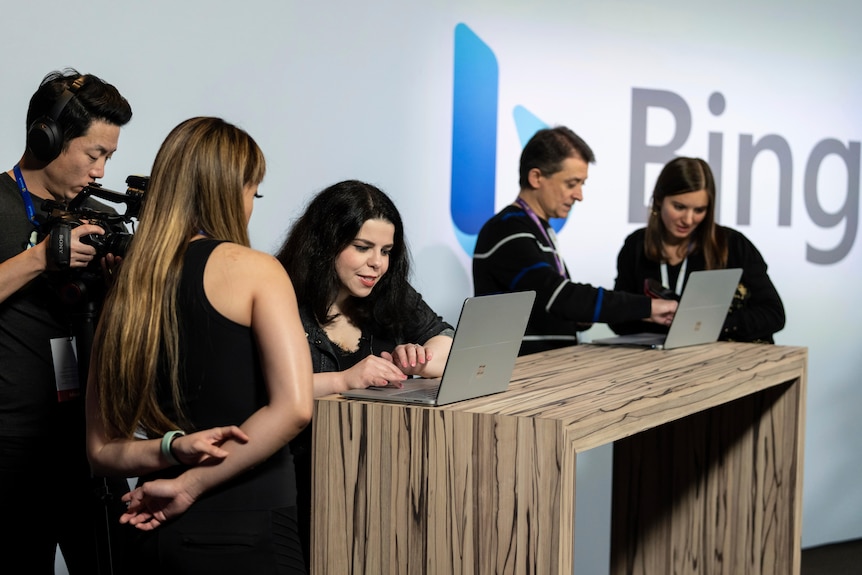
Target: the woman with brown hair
(681, 236)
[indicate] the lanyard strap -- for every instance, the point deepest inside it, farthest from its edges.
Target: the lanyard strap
(680, 278)
(25, 195)
(524, 206)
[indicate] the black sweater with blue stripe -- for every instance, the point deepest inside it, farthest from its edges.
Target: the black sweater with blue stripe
(512, 254)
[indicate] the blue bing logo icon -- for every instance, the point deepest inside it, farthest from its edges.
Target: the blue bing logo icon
(474, 136)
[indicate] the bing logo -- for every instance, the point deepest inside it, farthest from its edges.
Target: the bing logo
(474, 136)
(829, 163)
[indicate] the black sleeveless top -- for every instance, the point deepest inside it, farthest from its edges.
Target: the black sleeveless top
(223, 384)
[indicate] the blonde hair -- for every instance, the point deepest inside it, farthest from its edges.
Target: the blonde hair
(195, 186)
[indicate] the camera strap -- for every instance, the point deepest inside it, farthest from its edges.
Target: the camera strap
(60, 245)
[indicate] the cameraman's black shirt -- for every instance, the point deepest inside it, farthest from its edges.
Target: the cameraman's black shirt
(29, 320)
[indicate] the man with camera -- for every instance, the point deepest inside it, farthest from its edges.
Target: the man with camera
(47, 495)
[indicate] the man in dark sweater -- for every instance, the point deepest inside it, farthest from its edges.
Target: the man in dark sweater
(516, 250)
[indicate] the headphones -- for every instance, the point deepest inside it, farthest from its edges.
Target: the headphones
(45, 135)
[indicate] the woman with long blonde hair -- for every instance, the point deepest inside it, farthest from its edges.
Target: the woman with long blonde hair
(200, 373)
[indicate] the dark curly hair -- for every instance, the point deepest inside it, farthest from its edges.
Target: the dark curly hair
(330, 223)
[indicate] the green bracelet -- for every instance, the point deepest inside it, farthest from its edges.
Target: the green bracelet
(167, 440)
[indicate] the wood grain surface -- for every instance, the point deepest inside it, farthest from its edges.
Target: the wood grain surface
(707, 467)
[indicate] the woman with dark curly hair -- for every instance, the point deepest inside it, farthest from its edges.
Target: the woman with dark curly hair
(366, 325)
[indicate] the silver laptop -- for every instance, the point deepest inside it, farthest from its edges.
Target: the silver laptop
(482, 358)
(704, 305)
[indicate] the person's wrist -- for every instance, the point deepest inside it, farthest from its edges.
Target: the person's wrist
(193, 484)
(39, 261)
(167, 445)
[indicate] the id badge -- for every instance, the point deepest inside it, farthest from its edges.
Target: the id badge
(65, 356)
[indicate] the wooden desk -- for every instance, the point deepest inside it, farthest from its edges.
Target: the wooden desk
(708, 454)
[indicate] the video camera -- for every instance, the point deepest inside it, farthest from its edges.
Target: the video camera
(63, 218)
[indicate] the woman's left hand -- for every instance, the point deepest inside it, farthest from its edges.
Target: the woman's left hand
(152, 504)
(409, 357)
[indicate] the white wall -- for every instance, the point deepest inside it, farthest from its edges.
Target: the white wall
(364, 90)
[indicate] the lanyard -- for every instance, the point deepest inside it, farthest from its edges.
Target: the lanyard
(28, 205)
(560, 267)
(25, 195)
(680, 278)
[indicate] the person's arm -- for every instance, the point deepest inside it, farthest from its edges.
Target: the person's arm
(427, 340)
(371, 371)
(510, 257)
(630, 278)
(757, 311)
(19, 270)
(423, 360)
(135, 457)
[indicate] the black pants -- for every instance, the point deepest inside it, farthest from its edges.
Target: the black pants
(220, 542)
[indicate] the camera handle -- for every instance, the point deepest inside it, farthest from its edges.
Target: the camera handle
(60, 245)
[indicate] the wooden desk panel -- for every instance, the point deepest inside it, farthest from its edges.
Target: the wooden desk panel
(712, 493)
(707, 467)
(420, 490)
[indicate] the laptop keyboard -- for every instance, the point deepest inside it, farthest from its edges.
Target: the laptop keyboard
(425, 393)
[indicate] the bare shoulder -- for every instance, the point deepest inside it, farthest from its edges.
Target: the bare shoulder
(236, 276)
(244, 262)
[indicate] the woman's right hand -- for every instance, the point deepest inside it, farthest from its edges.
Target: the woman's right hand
(205, 446)
(374, 371)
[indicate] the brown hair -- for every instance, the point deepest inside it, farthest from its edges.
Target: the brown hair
(681, 176)
(196, 186)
